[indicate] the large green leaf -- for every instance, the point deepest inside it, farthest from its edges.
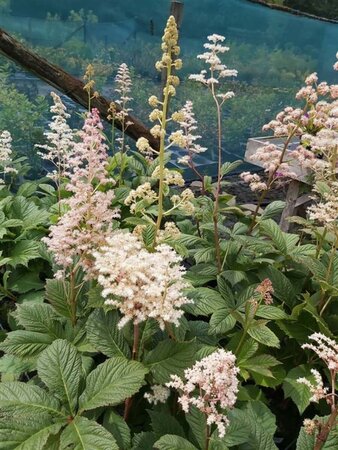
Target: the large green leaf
(112, 382)
(260, 364)
(25, 343)
(270, 228)
(23, 252)
(197, 422)
(57, 293)
(206, 301)
(115, 424)
(273, 209)
(222, 321)
(298, 392)
(262, 334)
(171, 442)
(261, 423)
(104, 334)
(27, 433)
(30, 214)
(59, 367)
(40, 318)
(143, 441)
(34, 399)
(85, 434)
(170, 358)
(283, 289)
(164, 423)
(271, 312)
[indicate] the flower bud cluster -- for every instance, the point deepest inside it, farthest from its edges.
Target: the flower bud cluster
(143, 193)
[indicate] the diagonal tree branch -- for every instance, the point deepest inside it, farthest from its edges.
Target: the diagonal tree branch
(66, 83)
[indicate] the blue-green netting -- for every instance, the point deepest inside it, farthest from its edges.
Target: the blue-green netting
(272, 50)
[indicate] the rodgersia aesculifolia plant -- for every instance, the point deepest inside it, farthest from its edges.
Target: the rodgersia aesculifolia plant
(168, 317)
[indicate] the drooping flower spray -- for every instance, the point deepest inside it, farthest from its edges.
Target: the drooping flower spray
(211, 386)
(217, 71)
(327, 350)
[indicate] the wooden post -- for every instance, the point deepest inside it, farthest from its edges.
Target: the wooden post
(69, 85)
(176, 10)
(291, 200)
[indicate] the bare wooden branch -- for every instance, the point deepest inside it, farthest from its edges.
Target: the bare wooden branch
(66, 83)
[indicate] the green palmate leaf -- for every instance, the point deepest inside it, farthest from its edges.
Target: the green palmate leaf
(40, 318)
(270, 228)
(23, 252)
(197, 422)
(59, 367)
(112, 382)
(170, 357)
(25, 397)
(84, 434)
(57, 293)
(307, 442)
(115, 424)
(298, 392)
(271, 312)
(273, 209)
(25, 343)
(221, 321)
(27, 433)
(206, 301)
(171, 442)
(262, 334)
(163, 423)
(28, 212)
(104, 334)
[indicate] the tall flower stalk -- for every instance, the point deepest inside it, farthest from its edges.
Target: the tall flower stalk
(170, 51)
(217, 71)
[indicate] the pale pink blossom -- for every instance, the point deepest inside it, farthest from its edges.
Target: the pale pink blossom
(211, 385)
(89, 216)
